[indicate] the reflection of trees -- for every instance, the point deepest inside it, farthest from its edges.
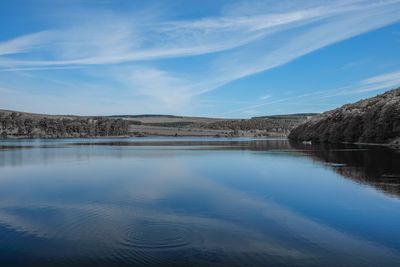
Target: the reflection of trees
(46, 152)
(375, 166)
(256, 145)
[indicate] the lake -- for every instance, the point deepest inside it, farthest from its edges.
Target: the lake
(197, 202)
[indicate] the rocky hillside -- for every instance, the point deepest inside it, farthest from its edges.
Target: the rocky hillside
(373, 120)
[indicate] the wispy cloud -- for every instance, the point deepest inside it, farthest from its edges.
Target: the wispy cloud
(265, 97)
(24, 44)
(375, 83)
(116, 39)
(133, 51)
(383, 81)
(380, 82)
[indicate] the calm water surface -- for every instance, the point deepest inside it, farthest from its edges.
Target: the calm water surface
(197, 202)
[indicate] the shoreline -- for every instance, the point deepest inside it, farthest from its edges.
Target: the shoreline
(280, 137)
(141, 136)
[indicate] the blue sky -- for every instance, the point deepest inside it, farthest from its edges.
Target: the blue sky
(202, 58)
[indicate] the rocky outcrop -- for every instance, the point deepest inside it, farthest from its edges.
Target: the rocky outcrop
(373, 120)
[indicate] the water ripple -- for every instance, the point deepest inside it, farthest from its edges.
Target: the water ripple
(155, 235)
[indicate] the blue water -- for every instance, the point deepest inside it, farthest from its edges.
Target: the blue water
(197, 202)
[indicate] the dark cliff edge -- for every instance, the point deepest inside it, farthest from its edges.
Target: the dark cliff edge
(372, 120)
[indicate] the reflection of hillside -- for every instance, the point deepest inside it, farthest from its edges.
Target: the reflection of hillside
(259, 145)
(375, 166)
(48, 152)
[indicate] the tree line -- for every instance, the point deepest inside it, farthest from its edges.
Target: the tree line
(15, 124)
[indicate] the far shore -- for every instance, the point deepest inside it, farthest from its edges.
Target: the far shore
(14, 124)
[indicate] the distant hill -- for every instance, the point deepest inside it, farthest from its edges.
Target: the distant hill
(145, 116)
(15, 124)
(372, 120)
(287, 116)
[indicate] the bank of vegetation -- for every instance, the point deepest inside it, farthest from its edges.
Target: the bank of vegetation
(372, 120)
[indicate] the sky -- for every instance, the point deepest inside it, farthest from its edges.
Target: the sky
(231, 59)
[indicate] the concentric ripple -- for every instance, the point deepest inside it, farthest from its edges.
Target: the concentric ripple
(156, 235)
